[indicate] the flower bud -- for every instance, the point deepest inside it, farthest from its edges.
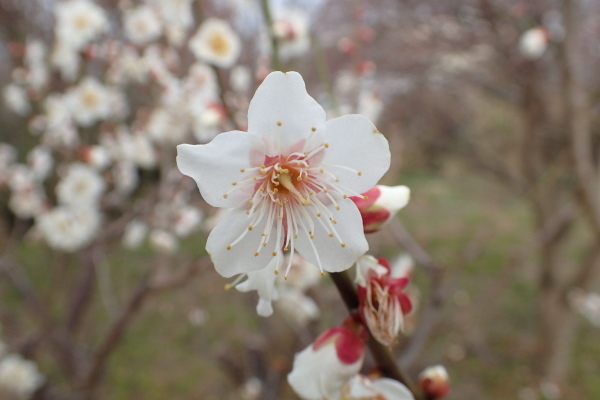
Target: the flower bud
(380, 204)
(435, 382)
(382, 304)
(323, 368)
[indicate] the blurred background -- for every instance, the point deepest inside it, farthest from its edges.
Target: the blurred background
(491, 111)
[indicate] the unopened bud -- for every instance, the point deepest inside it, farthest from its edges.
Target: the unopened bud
(380, 204)
(435, 382)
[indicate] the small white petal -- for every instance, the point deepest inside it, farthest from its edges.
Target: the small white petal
(283, 112)
(217, 165)
(355, 142)
(332, 256)
(240, 258)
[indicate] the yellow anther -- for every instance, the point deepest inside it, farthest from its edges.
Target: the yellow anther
(265, 244)
(248, 212)
(321, 171)
(285, 248)
(276, 272)
(225, 196)
(274, 253)
(337, 207)
(242, 170)
(256, 254)
(365, 197)
(343, 244)
(312, 236)
(295, 236)
(326, 145)
(251, 202)
(279, 123)
(345, 196)
(228, 247)
(359, 173)
(331, 235)
(322, 273)
(228, 287)
(233, 183)
(250, 227)
(318, 215)
(313, 129)
(324, 190)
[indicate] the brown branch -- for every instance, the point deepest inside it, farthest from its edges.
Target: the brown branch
(114, 336)
(21, 283)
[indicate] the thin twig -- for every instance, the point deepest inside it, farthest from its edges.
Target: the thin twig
(275, 59)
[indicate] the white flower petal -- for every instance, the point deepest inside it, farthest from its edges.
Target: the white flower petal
(354, 142)
(392, 390)
(320, 374)
(263, 281)
(283, 112)
(332, 256)
(217, 165)
(240, 258)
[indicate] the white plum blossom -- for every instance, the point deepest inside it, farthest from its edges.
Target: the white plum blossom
(187, 220)
(19, 376)
(27, 202)
(15, 99)
(240, 78)
(176, 12)
(67, 228)
(97, 157)
(296, 306)
(163, 241)
(533, 43)
(37, 71)
(78, 22)
(134, 235)
(288, 181)
(142, 25)
(125, 176)
(66, 60)
(41, 162)
(291, 28)
(89, 102)
(82, 186)
(216, 43)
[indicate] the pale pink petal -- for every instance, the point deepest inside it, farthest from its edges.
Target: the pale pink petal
(240, 258)
(347, 230)
(359, 148)
(217, 165)
(284, 113)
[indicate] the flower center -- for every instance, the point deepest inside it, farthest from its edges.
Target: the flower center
(218, 44)
(293, 198)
